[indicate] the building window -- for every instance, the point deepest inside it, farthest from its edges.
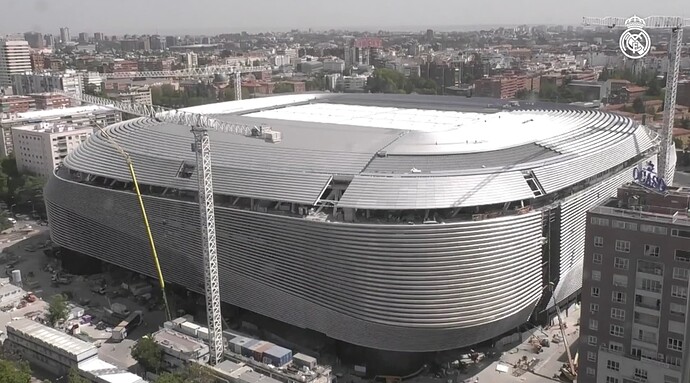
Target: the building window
(596, 258)
(613, 365)
(640, 373)
(622, 246)
(670, 379)
(611, 379)
(680, 233)
(615, 347)
(651, 250)
(591, 340)
(598, 241)
(679, 291)
(591, 356)
(624, 225)
(674, 344)
(653, 229)
(682, 256)
(595, 292)
(651, 285)
(620, 280)
(596, 275)
(593, 324)
(591, 371)
(594, 308)
(618, 314)
(618, 297)
(680, 273)
(677, 309)
(621, 263)
(600, 221)
(616, 330)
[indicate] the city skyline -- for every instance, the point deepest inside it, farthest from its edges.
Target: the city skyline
(157, 16)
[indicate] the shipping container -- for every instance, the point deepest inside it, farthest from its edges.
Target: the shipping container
(246, 351)
(259, 348)
(277, 356)
(237, 343)
(189, 328)
(202, 333)
(304, 361)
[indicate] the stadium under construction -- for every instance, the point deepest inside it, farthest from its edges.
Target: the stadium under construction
(398, 223)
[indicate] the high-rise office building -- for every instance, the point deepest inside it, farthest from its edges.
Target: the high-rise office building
(64, 35)
(635, 288)
(84, 37)
(35, 39)
(15, 58)
(49, 41)
(69, 81)
(98, 36)
(192, 60)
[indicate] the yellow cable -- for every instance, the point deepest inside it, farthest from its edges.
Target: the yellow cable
(152, 243)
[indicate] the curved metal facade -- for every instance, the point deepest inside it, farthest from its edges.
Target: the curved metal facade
(392, 287)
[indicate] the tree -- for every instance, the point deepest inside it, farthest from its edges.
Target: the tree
(638, 105)
(14, 372)
(194, 373)
(170, 378)
(148, 354)
(57, 310)
(685, 123)
(74, 377)
(678, 142)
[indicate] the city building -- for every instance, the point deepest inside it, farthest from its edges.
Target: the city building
(120, 65)
(333, 66)
(82, 116)
(69, 81)
(129, 45)
(98, 36)
(16, 104)
(35, 40)
(37, 62)
(351, 84)
(49, 41)
(138, 95)
(179, 349)
(465, 188)
(57, 353)
(40, 148)
(14, 59)
(635, 287)
(45, 101)
(191, 60)
(83, 37)
(683, 97)
(64, 35)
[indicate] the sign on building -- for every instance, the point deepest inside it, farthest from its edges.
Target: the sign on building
(646, 177)
(635, 41)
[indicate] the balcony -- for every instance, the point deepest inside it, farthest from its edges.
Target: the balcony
(648, 339)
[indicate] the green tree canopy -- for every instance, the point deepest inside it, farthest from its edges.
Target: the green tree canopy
(148, 354)
(74, 377)
(638, 105)
(14, 372)
(57, 310)
(193, 373)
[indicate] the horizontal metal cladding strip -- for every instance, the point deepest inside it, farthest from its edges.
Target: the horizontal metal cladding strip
(455, 162)
(558, 176)
(268, 185)
(171, 141)
(309, 274)
(402, 193)
(573, 223)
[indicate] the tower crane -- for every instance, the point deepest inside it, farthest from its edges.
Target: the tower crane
(676, 25)
(209, 71)
(200, 125)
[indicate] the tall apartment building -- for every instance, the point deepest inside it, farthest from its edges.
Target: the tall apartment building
(635, 288)
(35, 40)
(15, 58)
(16, 104)
(135, 95)
(40, 148)
(70, 81)
(83, 116)
(64, 35)
(192, 60)
(505, 87)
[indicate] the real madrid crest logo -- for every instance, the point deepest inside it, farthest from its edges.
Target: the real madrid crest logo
(635, 42)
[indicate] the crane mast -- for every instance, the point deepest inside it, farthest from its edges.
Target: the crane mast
(200, 124)
(235, 71)
(676, 25)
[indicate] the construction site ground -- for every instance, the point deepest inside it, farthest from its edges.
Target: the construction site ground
(80, 289)
(545, 365)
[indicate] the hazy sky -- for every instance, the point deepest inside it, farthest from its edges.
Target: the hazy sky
(214, 16)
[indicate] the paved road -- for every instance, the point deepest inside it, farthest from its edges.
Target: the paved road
(681, 179)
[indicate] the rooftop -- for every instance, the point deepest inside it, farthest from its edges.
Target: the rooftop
(177, 341)
(107, 372)
(50, 128)
(69, 344)
(62, 112)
